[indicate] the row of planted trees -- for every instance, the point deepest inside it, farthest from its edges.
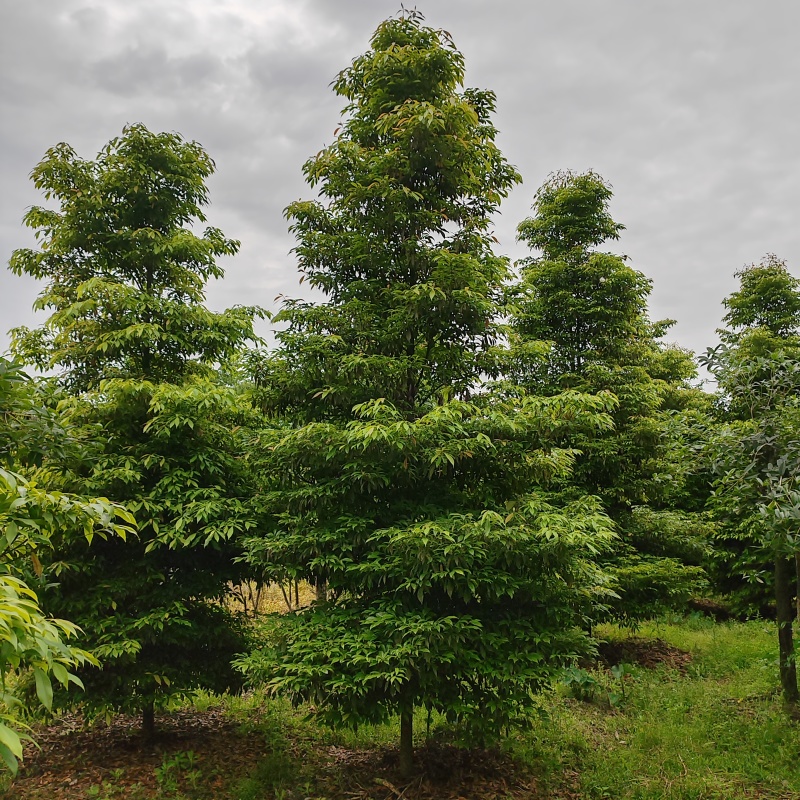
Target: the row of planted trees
(471, 464)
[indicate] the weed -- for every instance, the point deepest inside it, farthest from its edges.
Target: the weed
(172, 768)
(618, 672)
(581, 683)
(274, 774)
(111, 789)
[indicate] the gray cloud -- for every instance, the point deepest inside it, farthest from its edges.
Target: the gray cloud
(150, 71)
(689, 109)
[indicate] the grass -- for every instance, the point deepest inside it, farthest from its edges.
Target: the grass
(710, 728)
(717, 731)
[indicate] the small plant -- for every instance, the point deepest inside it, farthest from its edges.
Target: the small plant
(168, 773)
(618, 671)
(193, 777)
(165, 777)
(111, 790)
(581, 683)
(273, 773)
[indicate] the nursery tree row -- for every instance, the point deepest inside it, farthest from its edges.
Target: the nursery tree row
(472, 462)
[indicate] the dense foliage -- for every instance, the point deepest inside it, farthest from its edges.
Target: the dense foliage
(136, 350)
(31, 516)
(590, 306)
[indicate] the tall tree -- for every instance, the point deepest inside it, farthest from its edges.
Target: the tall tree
(407, 489)
(136, 348)
(590, 307)
(757, 451)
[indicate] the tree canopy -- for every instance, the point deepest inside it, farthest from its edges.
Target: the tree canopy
(124, 273)
(137, 351)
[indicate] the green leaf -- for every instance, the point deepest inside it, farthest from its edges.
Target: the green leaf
(10, 740)
(44, 688)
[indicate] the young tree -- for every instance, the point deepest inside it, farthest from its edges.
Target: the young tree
(136, 348)
(590, 307)
(405, 488)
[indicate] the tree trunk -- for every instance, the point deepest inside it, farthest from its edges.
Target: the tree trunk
(149, 722)
(797, 588)
(322, 590)
(784, 588)
(407, 743)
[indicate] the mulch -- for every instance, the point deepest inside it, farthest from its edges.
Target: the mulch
(650, 653)
(444, 772)
(74, 763)
(72, 758)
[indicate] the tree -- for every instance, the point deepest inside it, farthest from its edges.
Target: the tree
(757, 463)
(29, 517)
(757, 451)
(768, 299)
(396, 480)
(137, 350)
(589, 307)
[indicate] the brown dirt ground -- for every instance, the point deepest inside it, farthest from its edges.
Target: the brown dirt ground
(74, 763)
(72, 758)
(648, 653)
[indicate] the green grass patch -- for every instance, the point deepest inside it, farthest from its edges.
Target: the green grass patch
(714, 730)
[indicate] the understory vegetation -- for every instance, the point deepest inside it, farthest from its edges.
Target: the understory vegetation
(420, 540)
(691, 712)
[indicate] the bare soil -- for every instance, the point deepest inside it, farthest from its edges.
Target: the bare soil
(648, 653)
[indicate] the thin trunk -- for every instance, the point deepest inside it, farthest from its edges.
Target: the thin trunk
(407, 743)
(259, 591)
(286, 598)
(797, 588)
(149, 721)
(322, 590)
(784, 588)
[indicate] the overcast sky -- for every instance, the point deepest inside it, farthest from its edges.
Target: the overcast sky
(690, 109)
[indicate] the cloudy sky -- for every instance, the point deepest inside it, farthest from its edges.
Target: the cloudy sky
(690, 109)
